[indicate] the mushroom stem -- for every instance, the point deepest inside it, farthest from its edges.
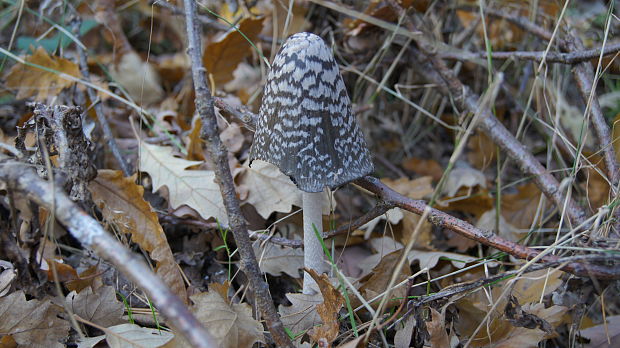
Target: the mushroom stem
(313, 251)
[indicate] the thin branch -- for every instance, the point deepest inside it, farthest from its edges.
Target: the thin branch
(103, 121)
(21, 178)
(569, 58)
(219, 156)
(441, 219)
(434, 70)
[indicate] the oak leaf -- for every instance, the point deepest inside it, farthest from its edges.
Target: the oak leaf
(121, 201)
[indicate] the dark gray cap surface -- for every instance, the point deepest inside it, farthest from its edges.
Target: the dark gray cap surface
(306, 126)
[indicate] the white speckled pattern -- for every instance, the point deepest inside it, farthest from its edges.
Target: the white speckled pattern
(306, 126)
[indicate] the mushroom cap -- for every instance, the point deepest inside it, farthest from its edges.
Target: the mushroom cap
(306, 126)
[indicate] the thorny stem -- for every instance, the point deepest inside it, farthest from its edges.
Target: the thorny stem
(218, 155)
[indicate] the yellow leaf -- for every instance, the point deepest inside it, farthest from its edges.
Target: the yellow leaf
(222, 56)
(121, 201)
(35, 82)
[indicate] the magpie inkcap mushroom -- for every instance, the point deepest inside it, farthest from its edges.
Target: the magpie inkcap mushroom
(306, 128)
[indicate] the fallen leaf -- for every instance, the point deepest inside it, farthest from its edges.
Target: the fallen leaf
(138, 78)
(414, 189)
(301, 315)
(520, 208)
(222, 56)
(463, 177)
(488, 222)
(376, 282)
(269, 190)
(232, 325)
(325, 334)
(423, 167)
(402, 338)
(599, 334)
(32, 323)
(121, 201)
(194, 188)
(30, 81)
(275, 259)
(437, 330)
(100, 307)
(481, 151)
(131, 335)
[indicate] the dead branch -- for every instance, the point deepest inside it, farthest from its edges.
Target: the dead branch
(101, 118)
(569, 58)
(219, 157)
(22, 179)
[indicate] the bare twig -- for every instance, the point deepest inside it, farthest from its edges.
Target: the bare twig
(103, 121)
(437, 72)
(219, 155)
(21, 178)
(441, 219)
(551, 57)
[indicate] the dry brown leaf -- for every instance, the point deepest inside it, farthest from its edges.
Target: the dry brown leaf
(377, 281)
(100, 307)
(437, 330)
(325, 334)
(301, 315)
(424, 167)
(519, 208)
(404, 332)
(527, 290)
(138, 78)
(194, 143)
(598, 334)
(34, 82)
(222, 56)
(481, 151)
(32, 323)
(90, 277)
(232, 325)
(269, 190)
(130, 336)
(275, 259)
(194, 188)
(121, 201)
(463, 178)
(488, 222)
(597, 186)
(414, 189)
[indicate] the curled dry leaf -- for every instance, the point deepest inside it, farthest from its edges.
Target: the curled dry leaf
(32, 323)
(194, 188)
(325, 334)
(31, 81)
(121, 201)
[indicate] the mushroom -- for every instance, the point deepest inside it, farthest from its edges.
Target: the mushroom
(306, 128)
